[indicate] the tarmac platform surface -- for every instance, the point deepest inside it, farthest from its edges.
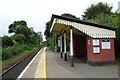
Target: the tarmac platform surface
(48, 65)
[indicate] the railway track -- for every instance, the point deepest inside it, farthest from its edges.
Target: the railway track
(14, 71)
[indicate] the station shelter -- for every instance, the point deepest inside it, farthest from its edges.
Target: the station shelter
(93, 41)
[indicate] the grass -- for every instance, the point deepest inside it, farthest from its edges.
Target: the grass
(0, 66)
(14, 50)
(9, 62)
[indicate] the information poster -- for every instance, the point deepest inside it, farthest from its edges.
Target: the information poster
(95, 42)
(105, 44)
(96, 49)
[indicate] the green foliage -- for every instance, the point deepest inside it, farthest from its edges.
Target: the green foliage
(107, 20)
(20, 27)
(51, 41)
(6, 53)
(97, 9)
(47, 30)
(0, 42)
(23, 34)
(24, 39)
(14, 50)
(18, 38)
(36, 38)
(69, 16)
(17, 27)
(44, 43)
(7, 41)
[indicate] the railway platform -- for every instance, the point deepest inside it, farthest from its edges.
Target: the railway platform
(48, 64)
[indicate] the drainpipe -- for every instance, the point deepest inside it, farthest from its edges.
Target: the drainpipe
(65, 54)
(61, 47)
(71, 47)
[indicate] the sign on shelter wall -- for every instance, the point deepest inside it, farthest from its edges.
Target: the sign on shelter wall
(95, 42)
(106, 44)
(96, 49)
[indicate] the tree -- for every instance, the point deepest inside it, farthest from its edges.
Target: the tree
(22, 32)
(97, 9)
(17, 27)
(36, 38)
(7, 41)
(107, 20)
(69, 16)
(20, 27)
(47, 30)
(40, 37)
(20, 38)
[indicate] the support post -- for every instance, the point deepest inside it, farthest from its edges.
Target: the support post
(71, 47)
(65, 54)
(55, 43)
(61, 47)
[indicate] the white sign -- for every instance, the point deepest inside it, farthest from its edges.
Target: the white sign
(95, 42)
(58, 41)
(96, 49)
(88, 42)
(105, 44)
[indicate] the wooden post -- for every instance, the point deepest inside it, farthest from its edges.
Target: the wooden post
(61, 47)
(55, 43)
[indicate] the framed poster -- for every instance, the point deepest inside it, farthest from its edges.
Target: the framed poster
(95, 42)
(96, 49)
(106, 44)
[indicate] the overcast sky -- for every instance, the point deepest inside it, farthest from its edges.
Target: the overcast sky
(37, 12)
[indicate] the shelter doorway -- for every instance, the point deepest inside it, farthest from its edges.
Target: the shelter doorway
(80, 47)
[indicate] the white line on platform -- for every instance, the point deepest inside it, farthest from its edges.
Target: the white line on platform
(28, 65)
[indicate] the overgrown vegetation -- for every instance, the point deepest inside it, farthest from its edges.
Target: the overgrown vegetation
(24, 42)
(23, 39)
(15, 50)
(97, 9)
(14, 59)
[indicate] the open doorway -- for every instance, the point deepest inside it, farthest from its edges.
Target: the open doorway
(80, 47)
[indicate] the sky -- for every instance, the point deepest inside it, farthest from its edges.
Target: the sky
(37, 12)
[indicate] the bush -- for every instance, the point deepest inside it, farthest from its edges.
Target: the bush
(6, 53)
(7, 41)
(14, 50)
(18, 38)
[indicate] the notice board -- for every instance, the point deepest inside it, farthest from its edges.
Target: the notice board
(106, 44)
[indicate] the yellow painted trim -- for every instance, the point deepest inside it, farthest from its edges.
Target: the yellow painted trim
(41, 68)
(45, 63)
